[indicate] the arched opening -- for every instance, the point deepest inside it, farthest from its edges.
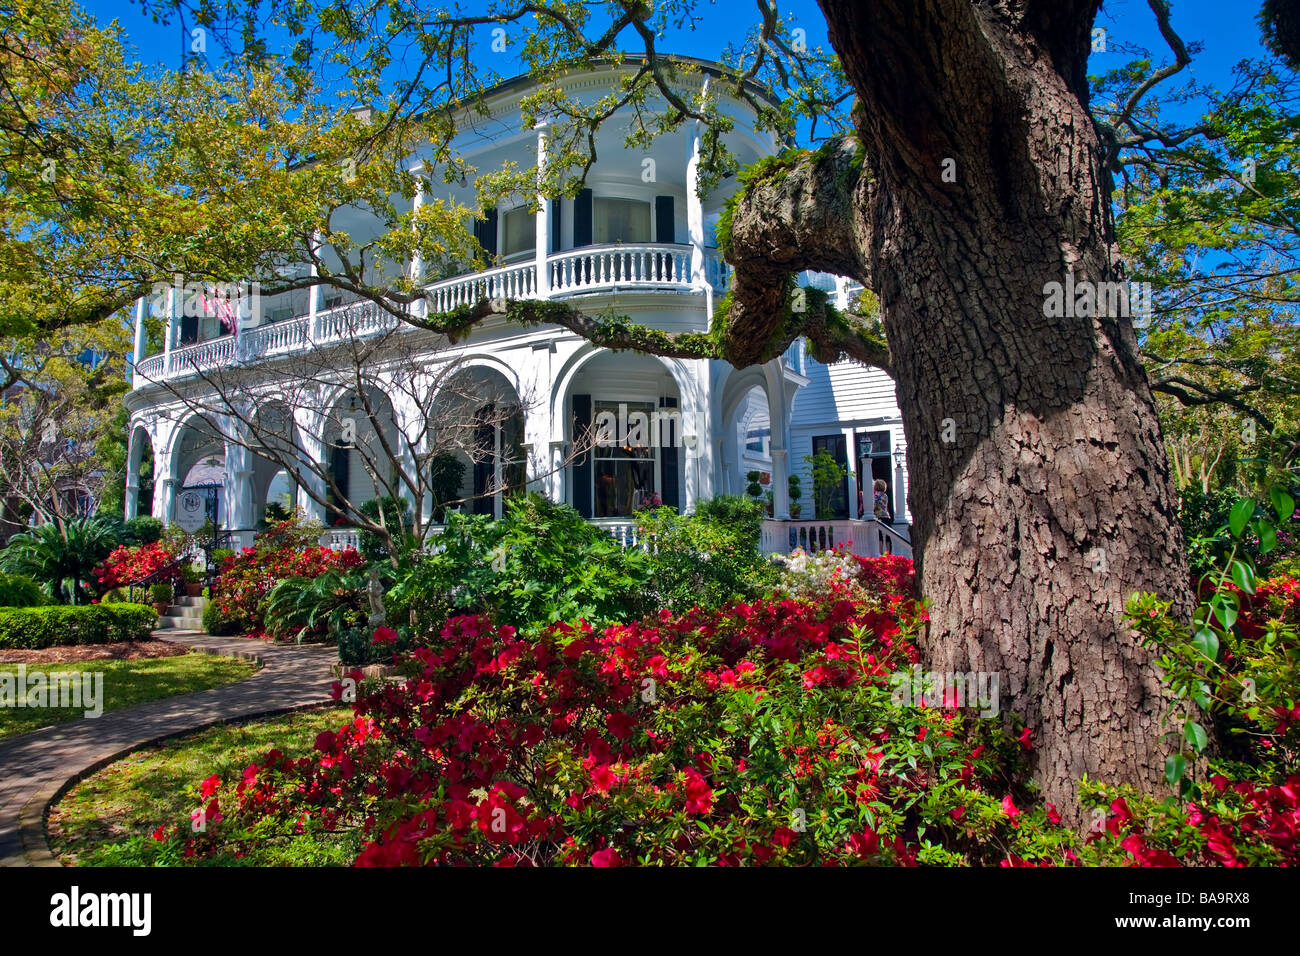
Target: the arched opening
(362, 453)
(199, 462)
(277, 463)
(626, 436)
(139, 474)
(478, 435)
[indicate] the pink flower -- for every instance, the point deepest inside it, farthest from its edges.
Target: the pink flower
(383, 635)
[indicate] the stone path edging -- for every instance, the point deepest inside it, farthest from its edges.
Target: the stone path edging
(36, 769)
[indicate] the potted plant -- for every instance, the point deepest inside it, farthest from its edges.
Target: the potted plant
(796, 492)
(193, 581)
(753, 488)
(161, 596)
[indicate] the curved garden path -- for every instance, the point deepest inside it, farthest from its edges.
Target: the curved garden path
(37, 768)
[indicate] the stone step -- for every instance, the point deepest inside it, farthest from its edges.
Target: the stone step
(188, 613)
(169, 622)
(198, 602)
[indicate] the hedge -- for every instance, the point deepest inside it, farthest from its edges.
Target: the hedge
(30, 628)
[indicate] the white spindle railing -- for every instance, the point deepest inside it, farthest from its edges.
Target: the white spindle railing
(591, 268)
(717, 271)
(341, 539)
(597, 267)
(150, 369)
(512, 282)
(201, 357)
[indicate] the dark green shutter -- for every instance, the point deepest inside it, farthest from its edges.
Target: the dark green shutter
(582, 219)
(485, 231)
(665, 228)
(581, 468)
(557, 220)
(340, 473)
(668, 457)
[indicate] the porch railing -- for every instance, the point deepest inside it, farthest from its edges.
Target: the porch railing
(865, 537)
(578, 271)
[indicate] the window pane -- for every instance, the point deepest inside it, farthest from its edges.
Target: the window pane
(622, 486)
(621, 220)
(520, 232)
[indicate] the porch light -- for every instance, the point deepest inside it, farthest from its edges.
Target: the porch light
(898, 457)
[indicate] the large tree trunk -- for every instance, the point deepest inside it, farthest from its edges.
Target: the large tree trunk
(1038, 479)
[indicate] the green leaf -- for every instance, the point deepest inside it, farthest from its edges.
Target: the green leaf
(1243, 575)
(1195, 735)
(1207, 642)
(1224, 609)
(1267, 539)
(1175, 767)
(1240, 515)
(1283, 504)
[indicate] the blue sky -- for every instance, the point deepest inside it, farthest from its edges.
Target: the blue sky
(1228, 31)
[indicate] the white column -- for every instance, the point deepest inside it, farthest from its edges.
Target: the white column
(420, 307)
(133, 455)
(543, 217)
(138, 353)
(310, 476)
(313, 296)
(164, 499)
(538, 429)
(855, 466)
(174, 305)
(695, 216)
(778, 416)
(239, 488)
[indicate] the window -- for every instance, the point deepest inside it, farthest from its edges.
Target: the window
(624, 473)
(519, 232)
(830, 480)
(620, 220)
(757, 439)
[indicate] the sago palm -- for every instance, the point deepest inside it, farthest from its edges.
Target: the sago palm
(60, 558)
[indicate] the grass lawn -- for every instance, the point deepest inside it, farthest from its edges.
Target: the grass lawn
(126, 683)
(108, 818)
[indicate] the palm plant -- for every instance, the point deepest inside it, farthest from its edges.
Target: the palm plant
(331, 602)
(62, 556)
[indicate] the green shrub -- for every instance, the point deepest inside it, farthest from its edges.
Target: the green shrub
(30, 628)
(744, 515)
(707, 560)
(219, 622)
(160, 593)
(142, 530)
(358, 648)
(540, 563)
(18, 590)
(394, 517)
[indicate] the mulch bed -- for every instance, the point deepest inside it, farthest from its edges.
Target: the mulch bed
(122, 651)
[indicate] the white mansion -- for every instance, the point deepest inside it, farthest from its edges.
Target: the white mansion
(641, 246)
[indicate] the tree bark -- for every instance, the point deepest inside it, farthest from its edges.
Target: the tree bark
(1038, 478)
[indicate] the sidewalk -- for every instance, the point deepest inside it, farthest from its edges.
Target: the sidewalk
(36, 768)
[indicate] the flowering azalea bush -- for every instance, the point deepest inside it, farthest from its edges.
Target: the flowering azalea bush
(127, 565)
(769, 733)
(239, 599)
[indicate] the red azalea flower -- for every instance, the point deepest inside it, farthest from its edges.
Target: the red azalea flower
(1009, 807)
(383, 635)
(606, 857)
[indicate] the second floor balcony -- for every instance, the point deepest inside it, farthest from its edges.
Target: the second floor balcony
(590, 270)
